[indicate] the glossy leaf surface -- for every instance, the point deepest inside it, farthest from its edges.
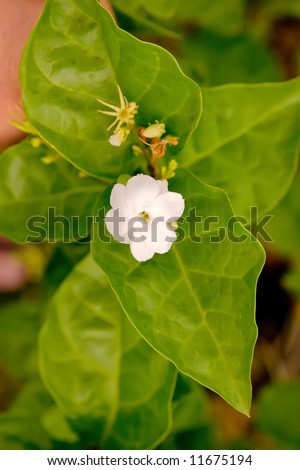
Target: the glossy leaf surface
(102, 374)
(42, 190)
(235, 146)
(77, 54)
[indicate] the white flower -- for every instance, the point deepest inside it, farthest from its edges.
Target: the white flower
(123, 114)
(143, 215)
(119, 137)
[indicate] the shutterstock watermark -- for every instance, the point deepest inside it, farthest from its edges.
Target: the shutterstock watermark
(193, 226)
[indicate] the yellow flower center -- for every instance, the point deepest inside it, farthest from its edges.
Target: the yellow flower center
(145, 215)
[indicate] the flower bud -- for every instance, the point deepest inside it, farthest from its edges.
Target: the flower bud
(137, 151)
(36, 142)
(119, 137)
(154, 131)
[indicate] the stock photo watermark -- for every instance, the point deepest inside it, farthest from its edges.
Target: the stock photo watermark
(192, 226)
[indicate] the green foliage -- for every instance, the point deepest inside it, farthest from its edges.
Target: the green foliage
(20, 322)
(21, 427)
(190, 406)
(235, 148)
(195, 304)
(76, 54)
(40, 187)
(57, 427)
(99, 370)
(212, 59)
(114, 338)
(279, 8)
(162, 8)
(192, 417)
(222, 16)
(291, 281)
(280, 422)
(285, 225)
(156, 8)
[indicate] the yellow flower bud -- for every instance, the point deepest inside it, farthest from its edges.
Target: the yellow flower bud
(154, 131)
(138, 152)
(36, 142)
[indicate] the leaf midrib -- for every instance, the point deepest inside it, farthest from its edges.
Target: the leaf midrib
(203, 312)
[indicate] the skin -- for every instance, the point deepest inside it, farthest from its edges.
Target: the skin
(17, 19)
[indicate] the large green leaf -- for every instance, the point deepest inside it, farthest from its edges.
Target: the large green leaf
(99, 370)
(277, 412)
(29, 188)
(213, 60)
(236, 147)
(222, 16)
(195, 304)
(77, 54)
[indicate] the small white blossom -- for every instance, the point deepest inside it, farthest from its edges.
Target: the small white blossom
(119, 137)
(143, 215)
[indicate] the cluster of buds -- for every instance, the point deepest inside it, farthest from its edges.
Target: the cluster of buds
(124, 118)
(168, 172)
(20, 122)
(153, 136)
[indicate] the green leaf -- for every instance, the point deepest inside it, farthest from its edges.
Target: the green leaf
(192, 420)
(277, 412)
(57, 426)
(20, 427)
(236, 148)
(211, 60)
(191, 407)
(280, 8)
(291, 281)
(284, 228)
(30, 190)
(77, 54)
(195, 304)
(225, 17)
(157, 8)
(139, 20)
(161, 8)
(20, 319)
(101, 373)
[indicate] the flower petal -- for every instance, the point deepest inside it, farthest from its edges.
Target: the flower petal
(163, 186)
(118, 200)
(168, 205)
(141, 190)
(161, 236)
(141, 251)
(117, 225)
